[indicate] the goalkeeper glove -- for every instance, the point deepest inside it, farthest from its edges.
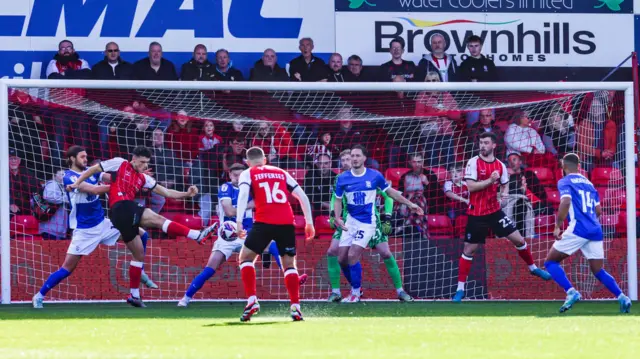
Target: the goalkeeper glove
(386, 224)
(332, 220)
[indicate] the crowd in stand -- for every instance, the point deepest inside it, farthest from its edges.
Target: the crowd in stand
(429, 150)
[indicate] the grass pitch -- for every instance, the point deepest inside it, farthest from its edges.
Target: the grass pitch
(367, 330)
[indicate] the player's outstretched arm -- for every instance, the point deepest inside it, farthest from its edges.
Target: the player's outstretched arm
(84, 176)
(299, 194)
(398, 197)
(170, 193)
(93, 189)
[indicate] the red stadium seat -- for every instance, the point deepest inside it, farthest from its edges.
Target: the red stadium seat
(621, 226)
(299, 223)
(553, 196)
(24, 225)
(322, 225)
(298, 174)
(173, 205)
(188, 220)
(602, 176)
(439, 226)
(544, 224)
(440, 172)
(610, 220)
(545, 175)
(460, 226)
(394, 174)
(614, 198)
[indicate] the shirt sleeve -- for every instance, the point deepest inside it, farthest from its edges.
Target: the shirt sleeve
(564, 189)
(291, 182)
(112, 164)
(381, 183)
(339, 189)
(504, 179)
(471, 171)
(245, 178)
(448, 186)
(149, 182)
(224, 191)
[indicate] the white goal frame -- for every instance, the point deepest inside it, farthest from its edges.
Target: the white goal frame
(6, 84)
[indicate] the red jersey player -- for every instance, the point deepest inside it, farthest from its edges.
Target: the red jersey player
(273, 220)
(484, 175)
(127, 215)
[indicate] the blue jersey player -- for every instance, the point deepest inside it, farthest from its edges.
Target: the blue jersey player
(359, 186)
(581, 203)
(86, 218)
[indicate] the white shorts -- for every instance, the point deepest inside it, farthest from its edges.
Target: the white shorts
(86, 240)
(570, 243)
(227, 248)
(358, 233)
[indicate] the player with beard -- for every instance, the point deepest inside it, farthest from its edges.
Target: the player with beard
(484, 175)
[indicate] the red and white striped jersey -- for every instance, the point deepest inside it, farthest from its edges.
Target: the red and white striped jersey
(128, 181)
(484, 202)
(270, 188)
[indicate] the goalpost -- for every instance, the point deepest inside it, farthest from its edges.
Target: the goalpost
(418, 135)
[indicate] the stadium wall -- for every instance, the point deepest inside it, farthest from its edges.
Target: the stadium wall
(529, 39)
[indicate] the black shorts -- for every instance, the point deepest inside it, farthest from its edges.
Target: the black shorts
(478, 227)
(261, 234)
(126, 217)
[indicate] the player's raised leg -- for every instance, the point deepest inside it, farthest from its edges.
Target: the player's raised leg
(151, 219)
(216, 259)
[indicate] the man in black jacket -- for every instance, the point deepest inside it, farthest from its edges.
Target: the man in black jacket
(267, 68)
(397, 66)
(224, 70)
(307, 67)
(336, 72)
(198, 68)
(154, 67)
(356, 72)
(477, 67)
(112, 67)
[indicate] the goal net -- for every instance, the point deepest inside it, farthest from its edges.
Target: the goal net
(419, 136)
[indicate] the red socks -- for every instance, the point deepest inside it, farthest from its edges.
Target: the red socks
(292, 282)
(248, 275)
(464, 267)
(135, 273)
(525, 254)
(174, 229)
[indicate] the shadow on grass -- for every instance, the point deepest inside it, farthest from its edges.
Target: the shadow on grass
(229, 324)
(232, 310)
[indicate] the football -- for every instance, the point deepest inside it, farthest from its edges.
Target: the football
(228, 231)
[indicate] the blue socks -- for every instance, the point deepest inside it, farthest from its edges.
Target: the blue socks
(346, 271)
(199, 281)
(356, 275)
(144, 238)
(608, 282)
(54, 279)
(273, 250)
(558, 274)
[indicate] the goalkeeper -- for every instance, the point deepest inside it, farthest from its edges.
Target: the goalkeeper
(337, 257)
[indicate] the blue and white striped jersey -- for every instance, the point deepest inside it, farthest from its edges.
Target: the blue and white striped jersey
(360, 192)
(86, 208)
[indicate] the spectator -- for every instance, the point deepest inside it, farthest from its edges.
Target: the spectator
(276, 142)
(167, 167)
(235, 153)
(185, 138)
(397, 66)
(456, 190)
(112, 67)
(436, 103)
(323, 146)
(318, 183)
(560, 131)
(437, 136)
(521, 138)
(307, 67)
(355, 73)
(209, 138)
(54, 193)
(154, 67)
(596, 132)
(267, 68)
(345, 160)
(477, 67)
(336, 70)
(224, 70)
(238, 129)
(198, 68)
(67, 64)
(414, 186)
(23, 185)
(485, 124)
(438, 61)
(133, 131)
